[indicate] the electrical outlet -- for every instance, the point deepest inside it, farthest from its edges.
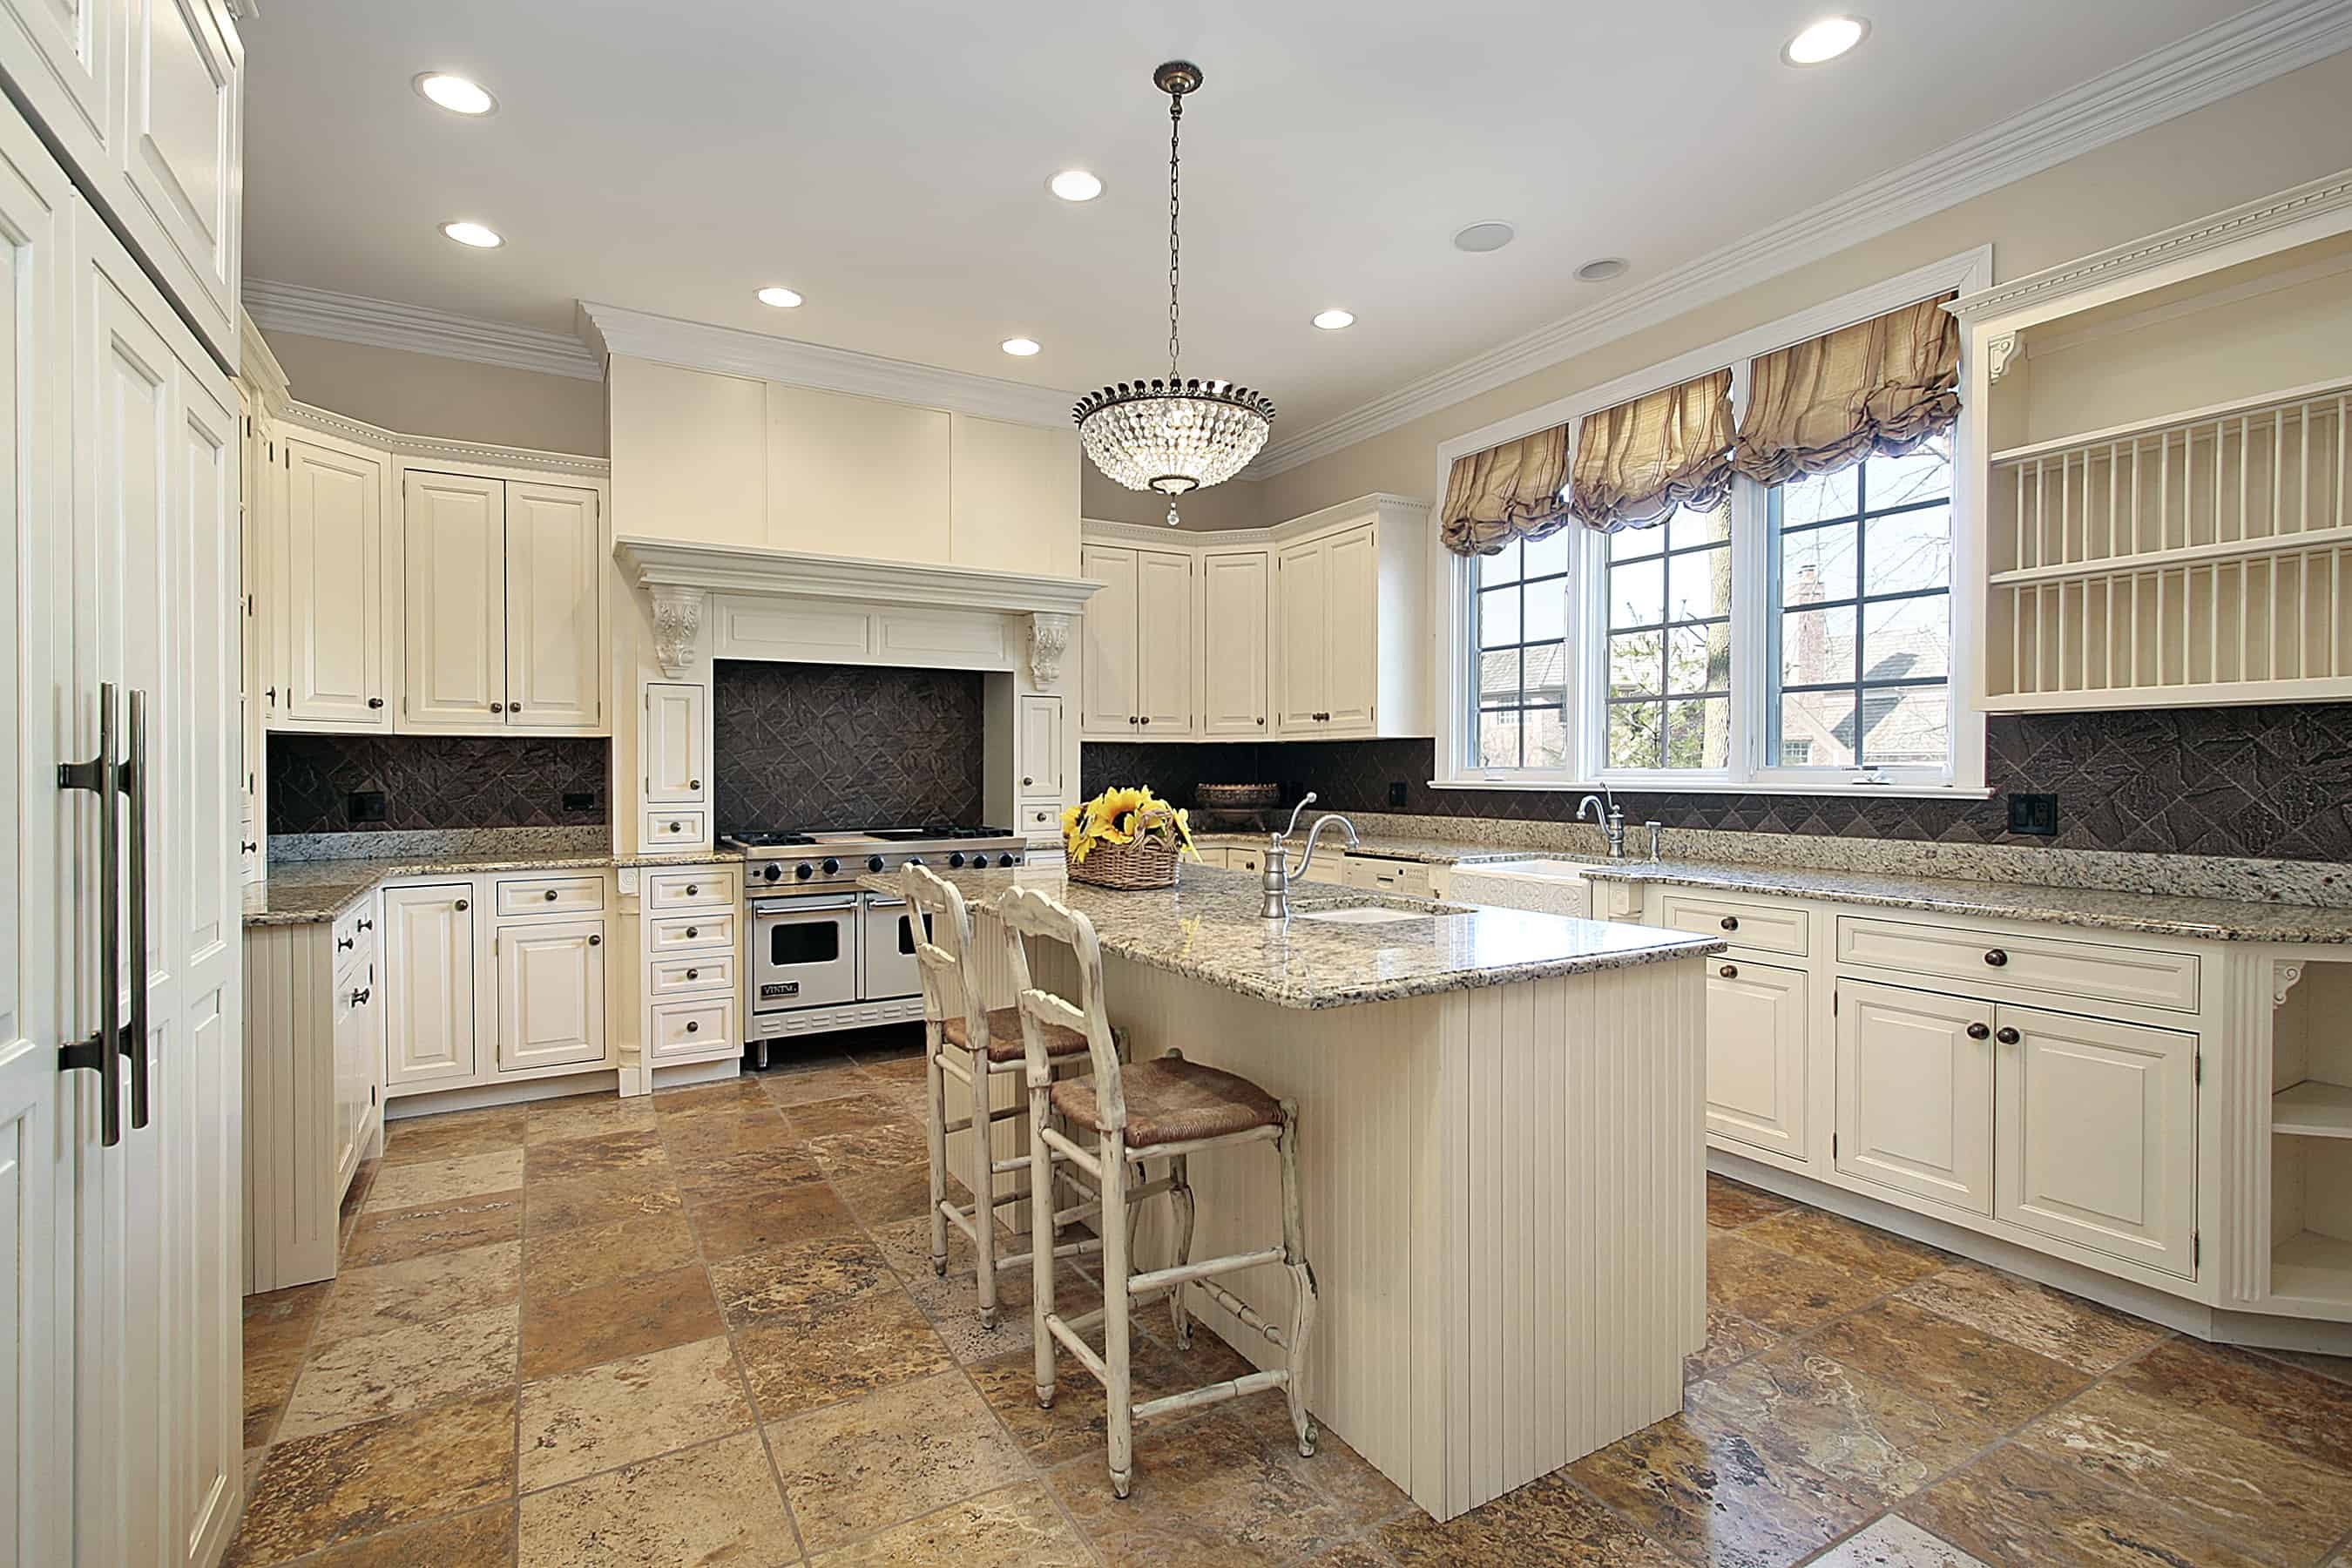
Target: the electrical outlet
(364, 805)
(579, 800)
(2033, 814)
(1397, 795)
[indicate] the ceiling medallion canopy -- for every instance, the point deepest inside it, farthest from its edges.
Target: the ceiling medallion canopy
(1173, 435)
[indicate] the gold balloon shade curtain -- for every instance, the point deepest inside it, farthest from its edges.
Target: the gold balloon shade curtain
(1876, 389)
(1638, 463)
(1507, 492)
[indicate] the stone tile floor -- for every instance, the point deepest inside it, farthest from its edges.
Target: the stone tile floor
(703, 1329)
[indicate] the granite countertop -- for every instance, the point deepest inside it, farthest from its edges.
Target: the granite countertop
(303, 893)
(1207, 928)
(1396, 846)
(2213, 920)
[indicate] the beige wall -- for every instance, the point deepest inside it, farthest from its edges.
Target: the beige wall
(427, 394)
(2280, 133)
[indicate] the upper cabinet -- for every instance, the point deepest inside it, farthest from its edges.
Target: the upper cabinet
(327, 576)
(1234, 644)
(1136, 677)
(145, 100)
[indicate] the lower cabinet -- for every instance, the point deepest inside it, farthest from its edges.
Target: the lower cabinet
(693, 1001)
(551, 993)
(1914, 1093)
(1756, 1038)
(428, 973)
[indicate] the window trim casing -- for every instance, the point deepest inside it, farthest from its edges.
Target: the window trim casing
(1452, 582)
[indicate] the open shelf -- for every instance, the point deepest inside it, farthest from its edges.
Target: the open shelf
(2314, 1267)
(2312, 1109)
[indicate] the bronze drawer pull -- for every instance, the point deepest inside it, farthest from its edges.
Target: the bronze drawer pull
(1729, 972)
(2008, 1037)
(551, 895)
(1996, 958)
(691, 1026)
(1731, 922)
(1978, 1031)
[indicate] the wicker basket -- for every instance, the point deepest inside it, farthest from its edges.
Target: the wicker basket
(1145, 862)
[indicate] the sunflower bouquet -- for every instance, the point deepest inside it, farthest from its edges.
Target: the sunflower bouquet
(1126, 837)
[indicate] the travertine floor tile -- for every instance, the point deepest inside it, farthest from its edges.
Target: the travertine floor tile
(711, 1135)
(2064, 1328)
(629, 1149)
(626, 1318)
(402, 1368)
(1547, 1521)
(830, 1081)
(1796, 1404)
(2297, 1410)
(850, 1469)
(1950, 1364)
(2017, 1506)
(887, 1194)
(393, 1234)
(714, 1504)
(597, 1200)
(420, 1290)
(585, 1116)
(744, 1172)
(277, 1332)
(886, 1146)
(1896, 1542)
(414, 1139)
(1729, 1338)
(1778, 1291)
(796, 1283)
(314, 1491)
(1730, 1203)
(731, 1224)
(438, 1180)
(1830, 1241)
(726, 1094)
(630, 1409)
(1016, 1528)
(847, 1349)
(849, 1113)
(482, 1538)
(557, 1262)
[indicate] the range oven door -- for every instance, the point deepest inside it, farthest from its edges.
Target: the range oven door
(891, 968)
(804, 952)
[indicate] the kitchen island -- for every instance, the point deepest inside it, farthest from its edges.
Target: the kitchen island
(1501, 1148)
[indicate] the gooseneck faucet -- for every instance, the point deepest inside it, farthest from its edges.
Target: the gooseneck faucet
(1612, 822)
(1275, 879)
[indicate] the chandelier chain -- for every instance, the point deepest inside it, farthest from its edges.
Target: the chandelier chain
(1175, 207)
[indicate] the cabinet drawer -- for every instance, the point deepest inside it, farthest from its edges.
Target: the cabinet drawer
(2078, 968)
(550, 896)
(714, 931)
(353, 940)
(679, 828)
(691, 976)
(694, 1030)
(1038, 817)
(1771, 928)
(691, 886)
(1410, 878)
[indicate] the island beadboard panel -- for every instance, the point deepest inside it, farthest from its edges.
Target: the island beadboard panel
(2271, 782)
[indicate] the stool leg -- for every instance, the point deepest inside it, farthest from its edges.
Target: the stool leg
(984, 1186)
(1118, 1366)
(1041, 1236)
(935, 1114)
(1302, 1279)
(1185, 1209)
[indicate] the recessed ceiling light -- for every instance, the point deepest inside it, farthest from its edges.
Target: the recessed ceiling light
(1601, 271)
(1020, 348)
(481, 237)
(1489, 236)
(1825, 40)
(1332, 321)
(456, 93)
(782, 298)
(1075, 185)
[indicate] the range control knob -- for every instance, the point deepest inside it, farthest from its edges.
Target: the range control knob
(803, 871)
(955, 859)
(914, 861)
(874, 862)
(1006, 860)
(832, 867)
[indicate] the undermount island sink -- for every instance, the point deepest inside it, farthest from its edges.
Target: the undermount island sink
(1366, 917)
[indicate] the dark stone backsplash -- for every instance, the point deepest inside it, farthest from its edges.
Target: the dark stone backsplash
(437, 781)
(2270, 781)
(818, 746)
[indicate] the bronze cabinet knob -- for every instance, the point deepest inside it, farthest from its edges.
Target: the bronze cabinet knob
(1729, 972)
(1996, 958)
(2008, 1037)
(463, 906)
(497, 707)
(1731, 922)
(375, 701)
(551, 895)
(693, 932)
(692, 1027)
(694, 974)
(1978, 1031)
(596, 942)
(692, 888)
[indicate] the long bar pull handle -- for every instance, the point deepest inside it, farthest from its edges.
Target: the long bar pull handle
(102, 1052)
(134, 792)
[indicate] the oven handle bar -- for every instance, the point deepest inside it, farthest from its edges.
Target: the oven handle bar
(772, 907)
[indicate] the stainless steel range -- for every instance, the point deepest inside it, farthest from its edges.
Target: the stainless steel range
(825, 956)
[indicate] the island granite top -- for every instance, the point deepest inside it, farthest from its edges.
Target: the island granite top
(1206, 927)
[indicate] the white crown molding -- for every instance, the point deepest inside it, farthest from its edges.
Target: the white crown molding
(1103, 530)
(2223, 238)
(2048, 344)
(732, 350)
(669, 564)
(386, 324)
(436, 449)
(2246, 50)
(258, 368)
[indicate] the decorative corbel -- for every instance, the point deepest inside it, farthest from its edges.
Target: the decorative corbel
(2282, 979)
(1049, 639)
(678, 626)
(2000, 349)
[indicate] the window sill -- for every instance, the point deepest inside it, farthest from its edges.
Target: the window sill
(1718, 787)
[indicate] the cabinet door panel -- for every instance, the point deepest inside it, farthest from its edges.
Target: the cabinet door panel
(428, 971)
(2097, 1134)
(62, 55)
(1163, 643)
(551, 994)
(329, 587)
(1039, 761)
(673, 741)
(453, 540)
(555, 552)
(182, 155)
(1352, 659)
(1755, 1029)
(1914, 1093)
(1232, 644)
(1303, 585)
(1108, 644)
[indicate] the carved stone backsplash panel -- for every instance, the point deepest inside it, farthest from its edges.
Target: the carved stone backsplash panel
(436, 782)
(820, 745)
(2271, 782)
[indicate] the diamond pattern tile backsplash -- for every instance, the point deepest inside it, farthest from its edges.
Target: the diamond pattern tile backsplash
(436, 781)
(816, 745)
(2270, 781)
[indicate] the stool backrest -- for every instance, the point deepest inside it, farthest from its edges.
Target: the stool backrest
(942, 931)
(1027, 913)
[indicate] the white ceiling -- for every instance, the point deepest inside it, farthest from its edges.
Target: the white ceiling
(889, 159)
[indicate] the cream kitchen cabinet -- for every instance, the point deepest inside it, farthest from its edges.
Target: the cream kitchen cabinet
(1329, 672)
(1137, 670)
(687, 940)
(1038, 749)
(551, 993)
(327, 577)
(429, 983)
(1233, 643)
(503, 621)
(1914, 1092)
(1757, 1029)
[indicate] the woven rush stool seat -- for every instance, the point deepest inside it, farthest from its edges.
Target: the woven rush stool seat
(1172, 1100)
(1004, 1035)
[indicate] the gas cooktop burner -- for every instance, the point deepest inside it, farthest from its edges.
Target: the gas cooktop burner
(823, 858)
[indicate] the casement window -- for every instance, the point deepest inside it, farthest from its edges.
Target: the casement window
(1792, 629)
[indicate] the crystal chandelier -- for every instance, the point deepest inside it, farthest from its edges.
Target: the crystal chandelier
(1173, 435)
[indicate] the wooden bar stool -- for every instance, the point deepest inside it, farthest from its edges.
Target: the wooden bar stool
(954, 1018)
(1168, 1109)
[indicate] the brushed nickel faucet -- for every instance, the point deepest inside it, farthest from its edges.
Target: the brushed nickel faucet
(1612, 822)
(1275, 879)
